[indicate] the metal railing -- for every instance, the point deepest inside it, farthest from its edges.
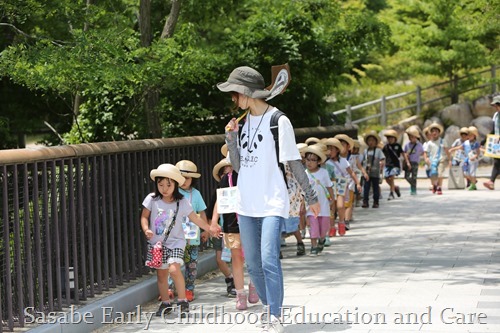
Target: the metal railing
(418, 98)
(69, 218)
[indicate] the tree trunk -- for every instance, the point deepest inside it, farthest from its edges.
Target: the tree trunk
(169, 28)
(151, 96)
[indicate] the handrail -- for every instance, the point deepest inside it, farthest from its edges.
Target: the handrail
(419, 101)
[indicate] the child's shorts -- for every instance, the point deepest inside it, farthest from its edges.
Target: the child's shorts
(471, 168)
(291, 225)
(217, 243)
(350, 201)
(390, 171)
(319, 226)
(232, 241)
(170, 256)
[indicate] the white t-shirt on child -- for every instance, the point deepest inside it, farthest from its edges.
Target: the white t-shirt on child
(262, 188)
(320, 181)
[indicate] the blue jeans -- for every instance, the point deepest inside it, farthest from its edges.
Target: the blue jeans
(374, 183)
(260, 237)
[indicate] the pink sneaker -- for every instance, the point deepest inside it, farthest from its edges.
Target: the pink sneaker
(241, 301)
(252, 294)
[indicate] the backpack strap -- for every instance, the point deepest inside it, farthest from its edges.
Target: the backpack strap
(274, 130)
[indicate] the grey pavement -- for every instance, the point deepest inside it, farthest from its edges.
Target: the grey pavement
(423, 263)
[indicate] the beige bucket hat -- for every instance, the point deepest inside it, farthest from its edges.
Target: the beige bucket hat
(391, 132)
(312, 140)
(169, 171)
(188, 169)
(413, 131)
(473, 130)
(372, 134)
(464, 130)
(222, 163)
(334, 142)
(224, 150)
(346, 138)
(316, 150)
(438, 126)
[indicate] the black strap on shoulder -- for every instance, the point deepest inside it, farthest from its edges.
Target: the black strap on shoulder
(274, 130)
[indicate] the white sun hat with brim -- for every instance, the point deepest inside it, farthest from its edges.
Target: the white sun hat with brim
(167, 170)
(188, 169)
(473, 130)
(372, 134)
(222, 164)
(496, 100)
(316, 150)
(223, 150)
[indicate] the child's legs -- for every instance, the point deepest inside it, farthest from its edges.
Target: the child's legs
(324, 226)
(349, 206)
(298, 236)
(314, 230)
(390, 181)
(341, 208)
(191, 265)
(162, 281)
(472, 171)
(434, 180)
(366, 189)
(376, 188)
(223, 267)
(233, 242)
(441, 168)
(176, 274)
(413, 175)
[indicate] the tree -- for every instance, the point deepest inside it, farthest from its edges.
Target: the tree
(431, 36)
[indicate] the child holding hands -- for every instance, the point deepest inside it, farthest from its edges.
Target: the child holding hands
(161, 222)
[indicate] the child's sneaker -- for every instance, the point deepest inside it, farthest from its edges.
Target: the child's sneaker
(189, 295)
(391, 197)
(438, 190)
(398, 192)
(341, 228)
(164, 309)
(321, 245)
(328, 242)
(301, 249)
(434, 189)
(375, 204)
(283, 242)
(472, 187)
(489, 185)
(231, 290)
(314, 251)
(365, 204)
(253, 297)
(183, 307)
(274, 326)
(347, 225)
(241, 302)
(332, 232)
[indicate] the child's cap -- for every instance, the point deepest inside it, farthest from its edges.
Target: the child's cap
(473, 130)
(391, 133)
(169, 171)
(222, 164)
(346, 138)
(316, 150)
(188, 169)
(413, 131)
(372, 134)
(312, 140)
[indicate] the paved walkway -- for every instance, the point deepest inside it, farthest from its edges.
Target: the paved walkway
(427, 263)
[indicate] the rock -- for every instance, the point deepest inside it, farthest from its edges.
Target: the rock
(484, 126)
(413, 120)
(482, 107)
(433, 120)
(451, 134)
(457, 114)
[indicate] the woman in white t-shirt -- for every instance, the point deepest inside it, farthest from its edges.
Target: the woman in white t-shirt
(263, 197)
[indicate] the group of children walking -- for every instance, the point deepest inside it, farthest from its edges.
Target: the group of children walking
(340, 175)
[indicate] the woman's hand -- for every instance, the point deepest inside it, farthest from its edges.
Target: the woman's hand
(232, 125)
(215, 230)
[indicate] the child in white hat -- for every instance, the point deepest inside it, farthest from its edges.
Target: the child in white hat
(161, 222)
(436, 154)
(471, 149)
